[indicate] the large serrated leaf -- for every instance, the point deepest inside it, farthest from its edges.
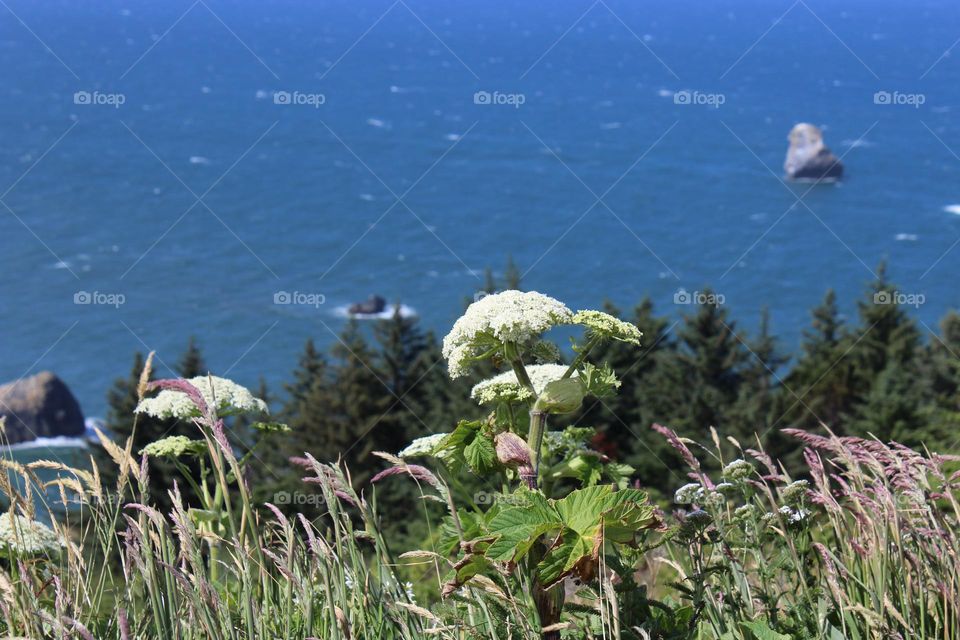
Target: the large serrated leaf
(562, 559)
(480, 454)
(517, 528)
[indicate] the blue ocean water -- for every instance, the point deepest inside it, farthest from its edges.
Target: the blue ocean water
(184, 162)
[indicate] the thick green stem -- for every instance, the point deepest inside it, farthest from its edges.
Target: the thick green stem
(538, 425)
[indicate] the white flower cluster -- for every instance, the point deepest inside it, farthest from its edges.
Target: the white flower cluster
(422, 446)
(794, 492)
(744, 512)
(694, 493)
(794, 515)
(510, 316)
(725, 487)
(688, 493)
(230, 398)
(27, 537)
(737, 470)
(173, 447)
(504, 387)
(608, 326)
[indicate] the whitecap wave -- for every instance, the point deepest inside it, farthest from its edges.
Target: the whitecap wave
(406, 311)
(952, 208)
(72, 442)
(905, 237)
(199, 160)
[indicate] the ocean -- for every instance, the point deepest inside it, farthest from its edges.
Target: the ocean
(241, 171)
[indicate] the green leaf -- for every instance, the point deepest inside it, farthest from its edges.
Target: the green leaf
(518, 527)
(480, 454)
(451, 448)
(599, 382)
(561, 560)
(761, 631)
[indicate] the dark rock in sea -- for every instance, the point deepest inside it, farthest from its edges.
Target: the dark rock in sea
(374, 304)
(808, 158)
(40, 406)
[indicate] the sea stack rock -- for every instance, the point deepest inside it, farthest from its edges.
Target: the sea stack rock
(40, 406)
(808, 158)
(374, 304)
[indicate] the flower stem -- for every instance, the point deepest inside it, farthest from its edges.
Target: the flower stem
(538, 425)
(594, 341)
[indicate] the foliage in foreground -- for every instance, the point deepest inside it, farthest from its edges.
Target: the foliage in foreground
(863, 543)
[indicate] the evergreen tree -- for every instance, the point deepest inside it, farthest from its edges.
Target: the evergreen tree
(401, 365)
(884, 360)
(759, 394)
(511, 275)
(353, 402)
(191, 363)
(707, 371)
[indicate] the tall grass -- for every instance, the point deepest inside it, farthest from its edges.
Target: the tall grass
(866, 545)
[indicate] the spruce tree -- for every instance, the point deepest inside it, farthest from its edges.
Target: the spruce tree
(191, 363)
(342, 416)
(884, 360)
(708, 370)
(758, 395)
(820, 386)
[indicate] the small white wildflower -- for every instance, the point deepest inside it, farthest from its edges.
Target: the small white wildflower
(504, 387)
(794, 492)
(713, 499)
(27, 537)
(509, 316)
(726, 487)
(767, 517)
(737, 470)
(230, 398)
(799, 515)
(422, 446)
(608, 326)
(408, 587)
(688, 493)
(744, 512)
(793, 516)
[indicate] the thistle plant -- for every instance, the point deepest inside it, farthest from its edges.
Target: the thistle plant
(536, 532)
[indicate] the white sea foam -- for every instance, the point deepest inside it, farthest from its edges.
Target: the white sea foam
(199, 160)
(376, 122)
(606, 126)
(50, 443)
(905, 237)
(406, 311)
(952, 208)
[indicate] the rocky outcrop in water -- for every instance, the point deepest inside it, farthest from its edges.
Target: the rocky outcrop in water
(808, 158)
(40, 406)
(375, 304)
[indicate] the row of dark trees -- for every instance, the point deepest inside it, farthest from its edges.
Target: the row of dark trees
(380, 386)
